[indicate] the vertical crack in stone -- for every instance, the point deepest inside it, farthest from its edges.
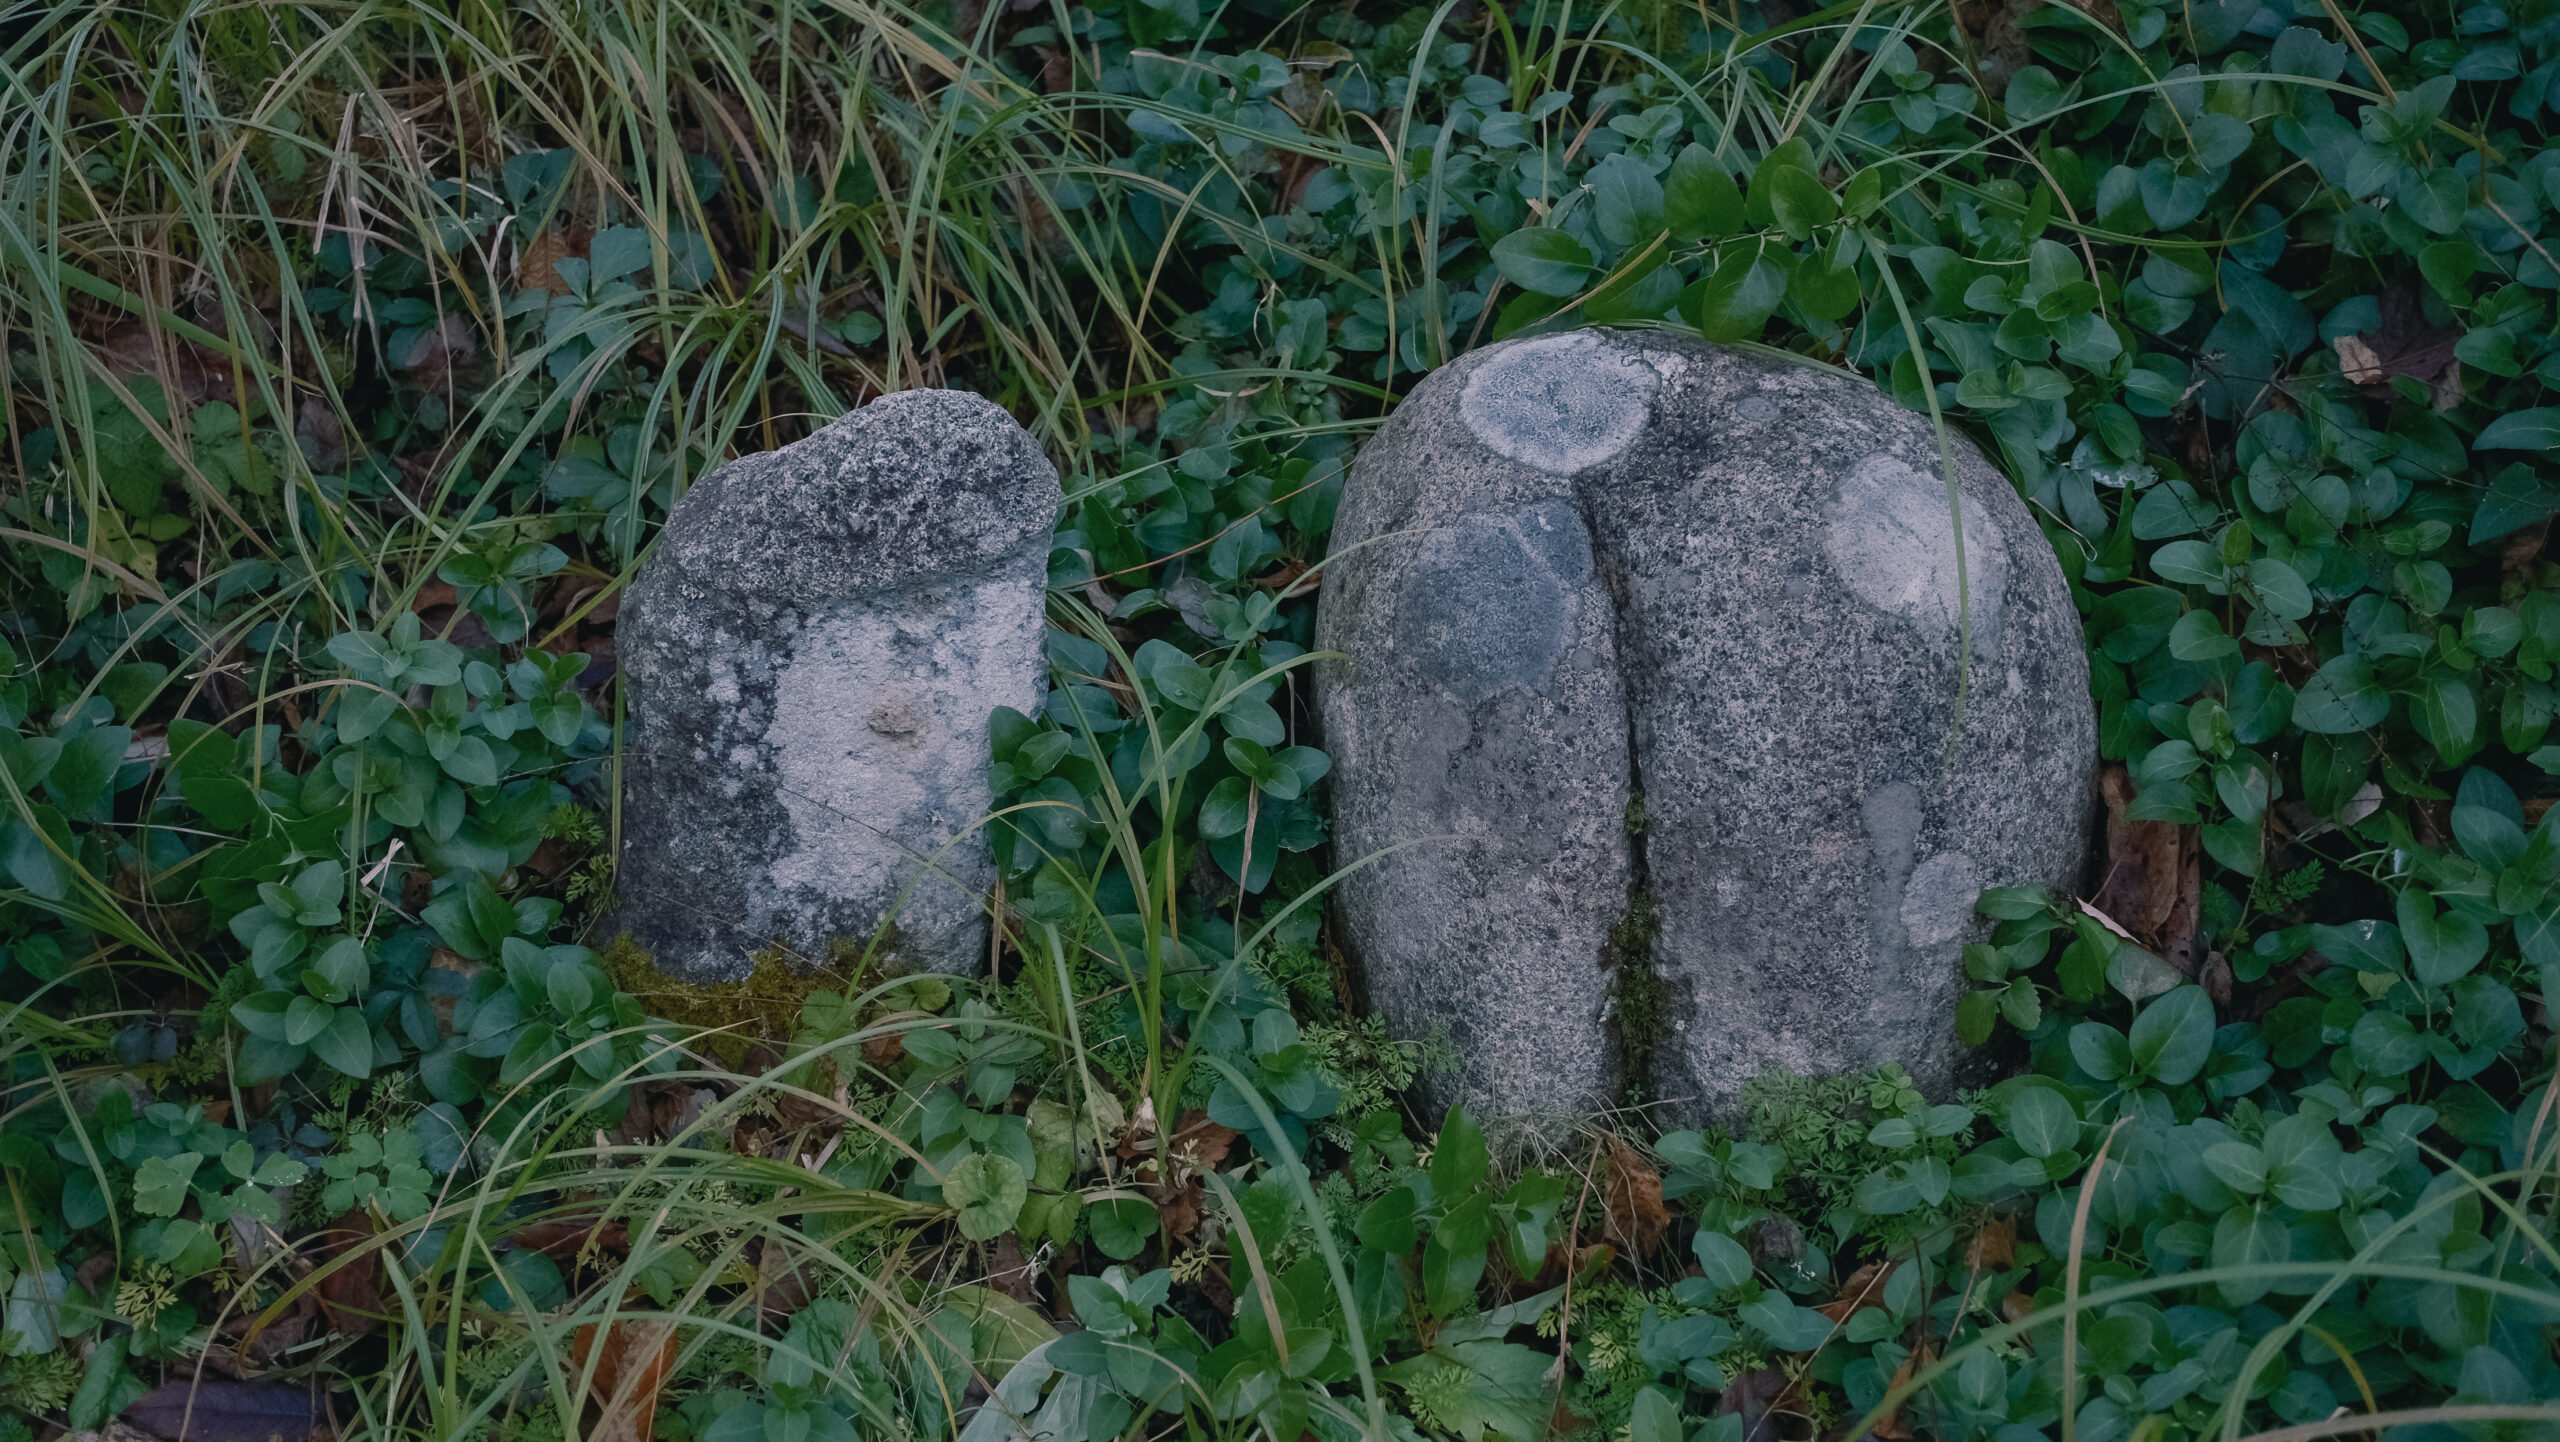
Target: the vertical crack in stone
(1643, 1004)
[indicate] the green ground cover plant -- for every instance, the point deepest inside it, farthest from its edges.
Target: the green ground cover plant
(356, 352)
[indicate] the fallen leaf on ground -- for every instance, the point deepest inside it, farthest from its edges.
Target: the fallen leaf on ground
(2017, 1307)
(1635, 1217)
(350, 1284)
(1178, 1209)
(2403, 343)
(535, 263)
(622, 1397)
(782, 1284)
(2217, 978)
(2153, 877)
(219, 1411)
(2521, 556)
(2358, 362)
(1889, 1426)
(1009, 1272)
(1864, 1289)
(1754, 1397)
(563, 1238)
(1994, 1247)
(248, 1349)
(1201, 1143)
(885, 1049)
(1997, 44)
(1587, 1263)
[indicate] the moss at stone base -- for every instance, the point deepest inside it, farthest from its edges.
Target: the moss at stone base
(763, 1005)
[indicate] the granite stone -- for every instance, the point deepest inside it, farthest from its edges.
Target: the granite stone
(811, 657)
(1652, 685)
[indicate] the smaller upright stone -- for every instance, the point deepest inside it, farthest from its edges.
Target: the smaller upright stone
(812, 655)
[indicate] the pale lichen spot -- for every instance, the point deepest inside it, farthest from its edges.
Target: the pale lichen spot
(1559, 403)
(1937, 903)
(1890, 537)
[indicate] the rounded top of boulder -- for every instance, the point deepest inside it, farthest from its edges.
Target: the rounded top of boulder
(916, 484)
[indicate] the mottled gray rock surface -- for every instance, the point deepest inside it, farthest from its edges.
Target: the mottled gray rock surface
(1666, 637)
(812, 654)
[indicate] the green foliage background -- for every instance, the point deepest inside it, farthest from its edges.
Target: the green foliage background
(356, 353)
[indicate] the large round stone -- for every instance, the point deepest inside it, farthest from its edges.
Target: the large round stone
(1658, 693)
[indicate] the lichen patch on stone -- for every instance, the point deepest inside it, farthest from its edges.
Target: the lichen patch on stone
(1937, 904)
(1890, 538)
(866, 807)
(1561, 403)
(1489, 606)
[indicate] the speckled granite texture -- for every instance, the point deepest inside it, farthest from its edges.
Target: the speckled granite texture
(812, 654)
(1664, 636)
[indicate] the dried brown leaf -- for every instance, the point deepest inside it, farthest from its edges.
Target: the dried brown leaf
(2521, 556)
(1635, 1217)
(2154, 876)
(1864, 1289)
(1994, 1247)
(884, 1051)
(2017, 1307)
(1201, 1144)
(1754, 1397)
(630, 1367)
(2217, 978)
(350, 1284)
(1009, 1272)
(1889, 1427)
(2358, 362)
(2404, 343)
(564, 1238)
(1178, 1209)
(1056, 71)
(535, 265)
